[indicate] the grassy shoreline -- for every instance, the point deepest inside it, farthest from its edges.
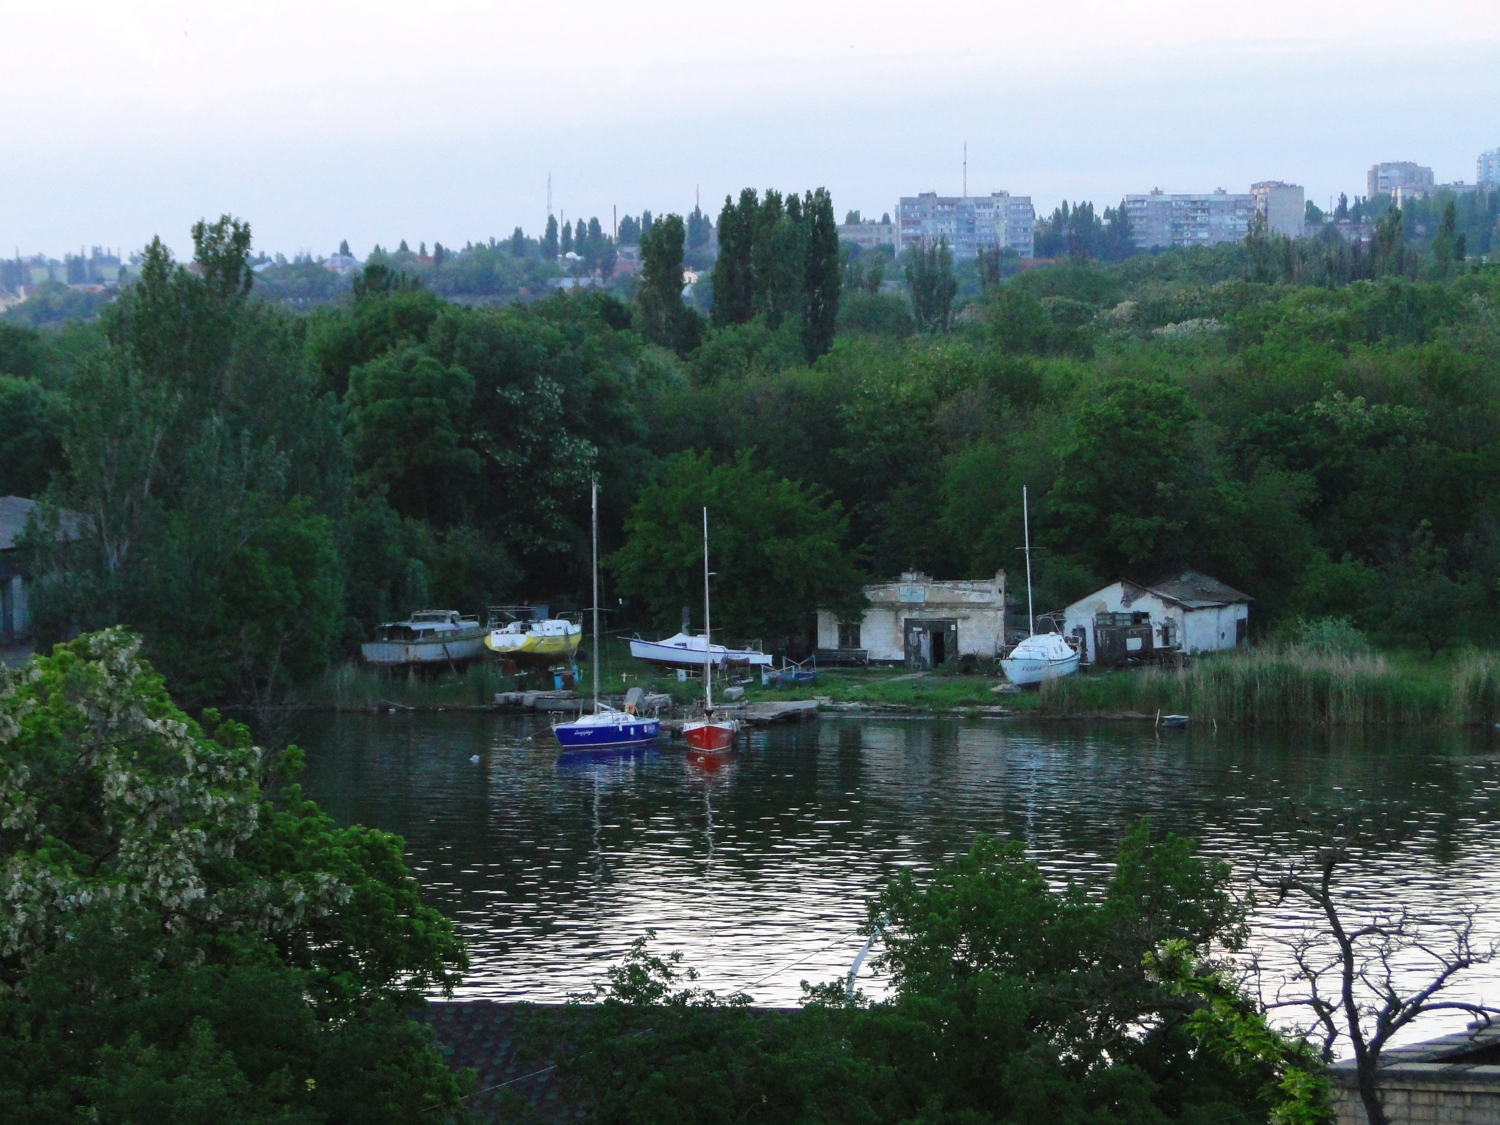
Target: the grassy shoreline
(1261, 685)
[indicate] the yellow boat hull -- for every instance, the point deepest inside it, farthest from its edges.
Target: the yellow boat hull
(531, 648)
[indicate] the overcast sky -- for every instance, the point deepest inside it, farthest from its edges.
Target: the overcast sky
(439, 120)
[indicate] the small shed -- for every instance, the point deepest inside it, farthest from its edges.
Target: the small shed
(1187, 612)
(920, 622)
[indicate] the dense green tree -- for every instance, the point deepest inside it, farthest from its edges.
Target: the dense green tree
(550, 248)
(23, 352)
(1009, 1000)
(1124, 496)
(821, 279)
(32, 420)
(409, 415)
(779, 258)
(567, 237)
(186, 938)
(190, 439)
(733, 275)
(391, 309)
(778, 550)
(663, 318)
(699, 229)
(929, 278)
(518, 243)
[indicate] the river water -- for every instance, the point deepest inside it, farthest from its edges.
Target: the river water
(758, 871)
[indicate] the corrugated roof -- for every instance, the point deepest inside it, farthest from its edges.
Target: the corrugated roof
(1196, 590)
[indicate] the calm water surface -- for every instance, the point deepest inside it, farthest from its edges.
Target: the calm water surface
(758, 871)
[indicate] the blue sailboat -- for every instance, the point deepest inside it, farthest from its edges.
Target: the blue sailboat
(606, 728)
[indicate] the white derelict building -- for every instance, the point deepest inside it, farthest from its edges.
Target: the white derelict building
(920, 622)
(1188, 612)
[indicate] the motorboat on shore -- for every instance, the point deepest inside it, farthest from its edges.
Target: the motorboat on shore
(429, 638)
(531, 637)
(1041, 656)
(709, 734)
(604, 728)
(684, 651)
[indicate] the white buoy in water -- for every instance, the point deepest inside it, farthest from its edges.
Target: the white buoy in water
(475, 759)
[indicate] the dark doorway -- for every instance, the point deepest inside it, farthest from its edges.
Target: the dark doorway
(930, 643)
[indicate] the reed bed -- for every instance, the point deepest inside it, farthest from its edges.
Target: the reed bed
(1286, 684)
(353, 686)
(1476, 688)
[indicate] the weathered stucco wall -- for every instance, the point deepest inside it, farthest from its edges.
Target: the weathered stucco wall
(978, 606)
(1197, 630)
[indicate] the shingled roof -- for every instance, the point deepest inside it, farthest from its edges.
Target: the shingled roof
(1193, 589)
(502, 1044)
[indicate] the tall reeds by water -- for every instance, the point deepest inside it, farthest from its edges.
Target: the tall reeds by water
(352, 686)
(1290, 684)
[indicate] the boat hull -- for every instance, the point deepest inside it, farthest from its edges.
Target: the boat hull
(628, 730)
(394, 654)
(709, 737)
(1034, 670)
(682, 653)
(526, 648)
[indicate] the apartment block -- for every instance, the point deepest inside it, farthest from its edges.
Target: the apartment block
(868, 236)
(1283, 206)
(1385, 179)
(970, 223)
(1487, 171)
(1159, 219)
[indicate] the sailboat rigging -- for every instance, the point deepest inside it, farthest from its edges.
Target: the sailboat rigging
(1041, 656)
(708, 734)
(604, 728)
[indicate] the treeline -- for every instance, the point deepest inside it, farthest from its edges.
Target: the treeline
(260, 488)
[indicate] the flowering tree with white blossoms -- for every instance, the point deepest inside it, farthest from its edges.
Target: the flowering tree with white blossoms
(165, 897)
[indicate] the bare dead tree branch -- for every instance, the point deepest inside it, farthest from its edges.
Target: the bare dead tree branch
(1356, 979)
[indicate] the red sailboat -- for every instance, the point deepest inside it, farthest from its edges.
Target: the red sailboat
(709, 735)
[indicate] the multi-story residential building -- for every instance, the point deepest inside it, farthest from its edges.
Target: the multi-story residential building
(1384, 179)
(1488, 168)
(1158, 219)
(970, 223)
(1283, 206)
(868, 236)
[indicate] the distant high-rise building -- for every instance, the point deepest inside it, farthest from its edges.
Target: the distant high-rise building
(1488, 171)
(1189, 220)
(1283, 206)
(970, 223)
(1384, 179)
(869, 236)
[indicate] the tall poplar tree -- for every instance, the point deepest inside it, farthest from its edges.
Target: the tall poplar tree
(549, 240)
(821, 279)
(734, 277)
(663, 318)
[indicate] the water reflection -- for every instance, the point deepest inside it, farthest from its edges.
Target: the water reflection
(757, 867)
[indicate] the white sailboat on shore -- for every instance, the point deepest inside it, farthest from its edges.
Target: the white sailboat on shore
(1041, 656)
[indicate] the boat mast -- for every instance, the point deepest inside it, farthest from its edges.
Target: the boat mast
(594, 498)
(1026, 523)
(708, 671)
